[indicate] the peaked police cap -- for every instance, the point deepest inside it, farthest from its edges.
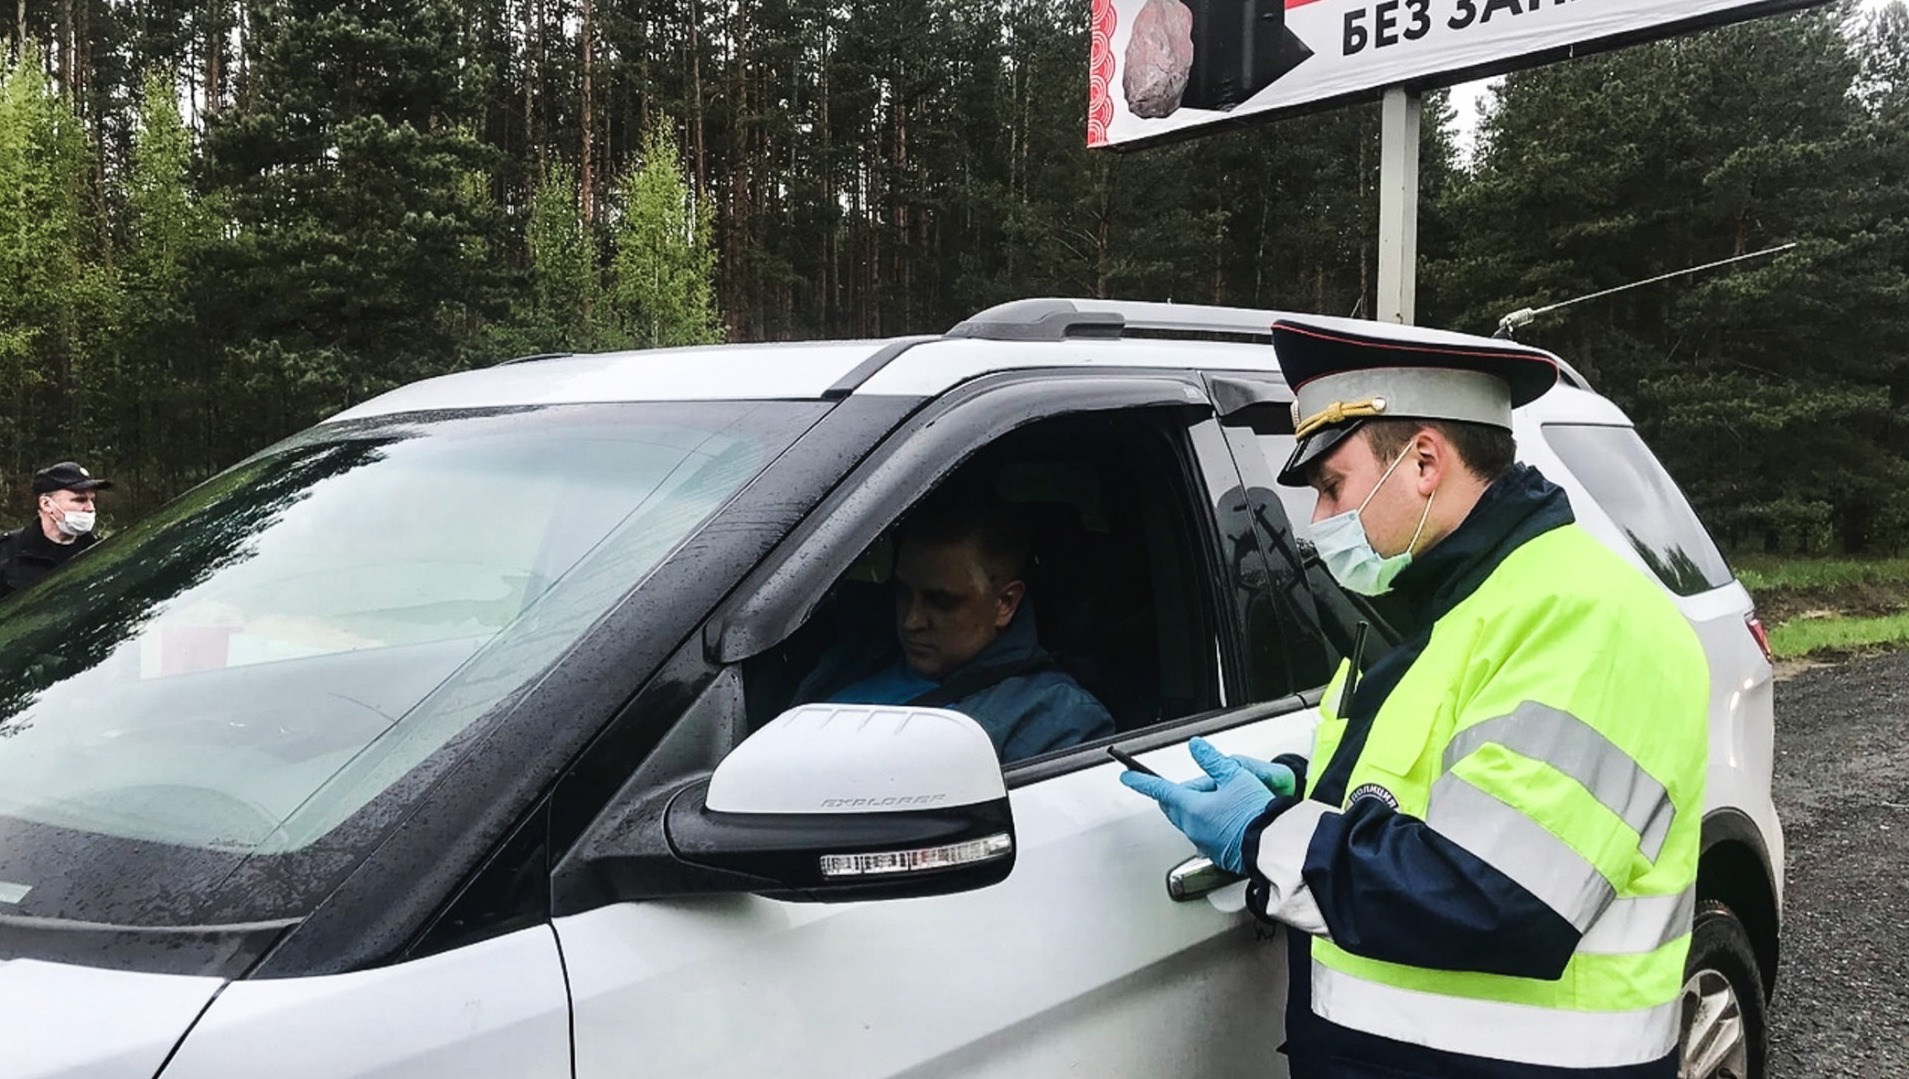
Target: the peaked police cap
(1346, 371)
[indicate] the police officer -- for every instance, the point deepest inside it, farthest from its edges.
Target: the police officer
(63, 528)
(1487, 866)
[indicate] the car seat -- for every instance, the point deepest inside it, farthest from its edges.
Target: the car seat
(1091, 599)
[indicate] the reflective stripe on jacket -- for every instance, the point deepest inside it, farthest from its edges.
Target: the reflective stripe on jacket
(1506, 870)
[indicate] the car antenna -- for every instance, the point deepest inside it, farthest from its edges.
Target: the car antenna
(1522, 316)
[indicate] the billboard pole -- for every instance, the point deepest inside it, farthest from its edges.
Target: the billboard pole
(1398, 204)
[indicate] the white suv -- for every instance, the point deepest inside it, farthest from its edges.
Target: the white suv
(454, 735)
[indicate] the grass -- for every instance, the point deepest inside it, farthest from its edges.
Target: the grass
(1822, 605)
(1769, 573)
(1805, 636)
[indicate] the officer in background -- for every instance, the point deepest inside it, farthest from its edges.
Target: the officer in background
(1491, 870)
(64, 526)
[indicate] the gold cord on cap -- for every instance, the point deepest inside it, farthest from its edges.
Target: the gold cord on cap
(1339, 412)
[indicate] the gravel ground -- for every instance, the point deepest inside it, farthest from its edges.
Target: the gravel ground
(1842, 786)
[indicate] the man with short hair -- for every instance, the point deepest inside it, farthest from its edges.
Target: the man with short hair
(1487, 867)
(63, 526)
(967, 633)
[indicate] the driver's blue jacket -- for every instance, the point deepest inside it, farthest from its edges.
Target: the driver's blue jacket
(1026, 703)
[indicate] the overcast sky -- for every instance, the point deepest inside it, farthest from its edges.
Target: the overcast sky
(1468, 97)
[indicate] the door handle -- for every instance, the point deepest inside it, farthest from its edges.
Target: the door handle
(1196, 877)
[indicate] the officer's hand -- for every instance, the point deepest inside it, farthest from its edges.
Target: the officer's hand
(1214, 818)
(1278, 777)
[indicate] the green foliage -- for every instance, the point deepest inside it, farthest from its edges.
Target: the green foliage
(158, 372)
(166, 224)
(1775, 391)
(662, 274)
(560, 307)
(57, 298)
(1819, 604)
(365, 193)
(1810, 636)
(1764, 573)
(563, 263)
(1883, 44)
(358, 258)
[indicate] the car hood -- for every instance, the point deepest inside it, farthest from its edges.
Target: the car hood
(75, 1022)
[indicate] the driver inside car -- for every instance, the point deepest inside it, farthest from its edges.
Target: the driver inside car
(965, 630)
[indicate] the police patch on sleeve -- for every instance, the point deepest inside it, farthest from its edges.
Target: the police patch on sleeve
(1372, 790)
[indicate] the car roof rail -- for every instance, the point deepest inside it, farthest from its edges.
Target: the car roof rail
(868, 368)
(1059, 319)
(534, 358)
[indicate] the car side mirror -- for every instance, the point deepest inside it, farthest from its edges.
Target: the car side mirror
(827, 802)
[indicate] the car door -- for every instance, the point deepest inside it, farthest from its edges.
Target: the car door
(1080, 962)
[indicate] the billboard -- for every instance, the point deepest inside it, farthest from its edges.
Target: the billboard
(1162, 67)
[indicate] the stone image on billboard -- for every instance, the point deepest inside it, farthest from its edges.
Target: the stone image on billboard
(1205, 54)
(1182, 64)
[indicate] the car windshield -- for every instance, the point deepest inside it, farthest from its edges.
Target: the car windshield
(248, 668)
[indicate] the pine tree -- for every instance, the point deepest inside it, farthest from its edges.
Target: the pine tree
(1760, 385)
(360, 253)
(1881, 236)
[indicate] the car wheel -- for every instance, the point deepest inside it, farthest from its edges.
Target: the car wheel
(1725, 1034)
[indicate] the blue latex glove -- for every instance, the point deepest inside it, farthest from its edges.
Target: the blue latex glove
(1278, 778)
(1213, 810)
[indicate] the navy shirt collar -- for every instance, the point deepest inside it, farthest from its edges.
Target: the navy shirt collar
(1518, 506)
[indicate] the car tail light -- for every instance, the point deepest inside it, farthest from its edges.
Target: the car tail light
(1761, 636)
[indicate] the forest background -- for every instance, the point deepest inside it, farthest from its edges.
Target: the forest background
(221, 220)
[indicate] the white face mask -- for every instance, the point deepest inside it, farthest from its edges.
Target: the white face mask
(1347, 551)
(76, 522)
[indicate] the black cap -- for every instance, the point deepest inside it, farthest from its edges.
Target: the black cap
(66, 476)
(1344, 372)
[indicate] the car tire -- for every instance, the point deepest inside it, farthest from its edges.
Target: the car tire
(1725, 1030)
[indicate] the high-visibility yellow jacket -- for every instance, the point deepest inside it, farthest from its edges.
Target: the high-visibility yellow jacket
(1496, 859)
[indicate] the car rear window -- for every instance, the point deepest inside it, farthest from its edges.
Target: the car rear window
(1622, 474)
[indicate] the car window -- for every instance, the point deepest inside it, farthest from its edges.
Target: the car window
(1277, 449)
(1317, 619)
(253, 665)
(1119, 587)
(1631, 486)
